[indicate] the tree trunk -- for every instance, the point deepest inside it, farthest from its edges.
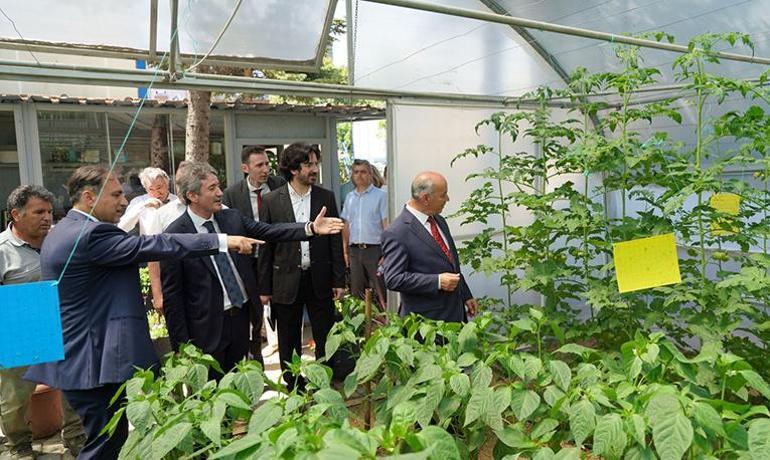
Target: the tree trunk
(197, 130)
(159, 143)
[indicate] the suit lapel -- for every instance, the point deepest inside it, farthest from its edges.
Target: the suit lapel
(315, 203)
(288, 209)
(422, 233)
(189, 227)
(246, 196)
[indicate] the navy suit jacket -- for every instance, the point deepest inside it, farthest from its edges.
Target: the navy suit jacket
(193, 301)
(104, 320)
(413, 261)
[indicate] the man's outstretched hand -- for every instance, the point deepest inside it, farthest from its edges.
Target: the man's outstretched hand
(323, 225)
(242, 244)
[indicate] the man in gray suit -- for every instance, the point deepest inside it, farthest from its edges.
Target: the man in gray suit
(421, 259)
(246, 196)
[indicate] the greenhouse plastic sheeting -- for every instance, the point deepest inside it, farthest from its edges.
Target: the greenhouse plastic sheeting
(272, 29)
(398, 48)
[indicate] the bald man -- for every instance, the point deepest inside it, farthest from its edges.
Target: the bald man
(421, 259)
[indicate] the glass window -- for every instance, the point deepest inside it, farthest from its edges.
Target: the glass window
(69, 140)
(9, 163)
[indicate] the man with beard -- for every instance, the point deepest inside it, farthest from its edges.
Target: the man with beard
(207, 300)
(294, 276)
(104, 322)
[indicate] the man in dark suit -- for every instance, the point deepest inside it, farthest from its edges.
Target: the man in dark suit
(246, 196)
(104, 322)
(421, 258)
(206, 300)
(297, 275)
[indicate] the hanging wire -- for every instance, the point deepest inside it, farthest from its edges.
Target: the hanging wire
(117, 157)
(219, 37)
(19, 34)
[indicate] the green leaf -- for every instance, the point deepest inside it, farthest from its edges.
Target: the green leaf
(237, 446)
(609, 437)
(468, 337)
(708, 418)
(757, 382)
(662, 406)
(568, 453)
(460, 384)
(575, 349)
(441, 443)
(406, 354)
(234, 399)
(333, 343)
(524, 403)
(561, 373)
(640, 453)
(637, 427)
(264, 417)
(544, 453)
(514, 437)
(481, 376)
(170, 439)
(318, 375)
(479, 405)
(672, 436)
(212, 426)
(430, 403)
(466, 359)
(582, 420)
(543, 428)
(350, 384)
(139, 414)
(759, 437)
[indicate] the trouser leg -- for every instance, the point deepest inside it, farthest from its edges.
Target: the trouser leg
(321, 314)
(370, 264)
(14, 400)
(95, 411)
(357, 272)
(289, 327)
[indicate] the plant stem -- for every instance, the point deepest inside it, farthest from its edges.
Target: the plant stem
(624, 145)
(503, 207)
(701, 98)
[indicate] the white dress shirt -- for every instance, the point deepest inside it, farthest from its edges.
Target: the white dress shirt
(423, 218)
(198, 221)
(253, 197)
(301, 206)
(138, 212)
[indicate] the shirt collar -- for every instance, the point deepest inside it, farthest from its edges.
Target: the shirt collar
(422, 217)
(293, 193)
(86, 214)
(198, 221)
(368, 189)
(15, 240)
(264, 187)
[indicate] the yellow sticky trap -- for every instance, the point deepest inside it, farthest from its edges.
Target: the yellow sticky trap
(646, 262)
(727, 203)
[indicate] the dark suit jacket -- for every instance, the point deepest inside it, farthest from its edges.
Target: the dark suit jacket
(104, 321)
(279, 264)
(413, 261)
(238, 195)
(192, 295)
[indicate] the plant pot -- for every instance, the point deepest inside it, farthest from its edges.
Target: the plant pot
(44, 413)
(162, 346)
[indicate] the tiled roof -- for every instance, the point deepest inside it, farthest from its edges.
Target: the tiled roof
(357, 112)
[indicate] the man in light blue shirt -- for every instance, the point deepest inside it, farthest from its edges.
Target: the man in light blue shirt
(366, 215)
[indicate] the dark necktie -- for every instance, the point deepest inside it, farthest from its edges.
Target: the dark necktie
(259, 199)
(437, 236)
(226, 273)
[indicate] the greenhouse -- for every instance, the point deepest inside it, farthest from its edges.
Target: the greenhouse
(567, 256)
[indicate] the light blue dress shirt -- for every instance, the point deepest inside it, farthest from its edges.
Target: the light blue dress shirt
(364, 213)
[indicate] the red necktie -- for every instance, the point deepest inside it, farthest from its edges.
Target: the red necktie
(437, 236)
(259, 198)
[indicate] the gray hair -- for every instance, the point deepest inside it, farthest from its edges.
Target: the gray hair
(190, 178)
(21, 195)
(422, 185)
(150, 175)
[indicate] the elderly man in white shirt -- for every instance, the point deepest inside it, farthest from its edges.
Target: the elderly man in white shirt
(140, 209)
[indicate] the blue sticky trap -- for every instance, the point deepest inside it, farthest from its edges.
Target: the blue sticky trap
(31, 324)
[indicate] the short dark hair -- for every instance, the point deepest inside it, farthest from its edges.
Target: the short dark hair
(293, 156)
(250, 150)
(21, 195)
(91, 176)
(360, 162)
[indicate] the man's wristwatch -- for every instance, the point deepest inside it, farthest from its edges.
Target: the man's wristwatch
(310, 229)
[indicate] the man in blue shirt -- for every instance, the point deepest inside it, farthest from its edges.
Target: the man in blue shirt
(366, 215)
